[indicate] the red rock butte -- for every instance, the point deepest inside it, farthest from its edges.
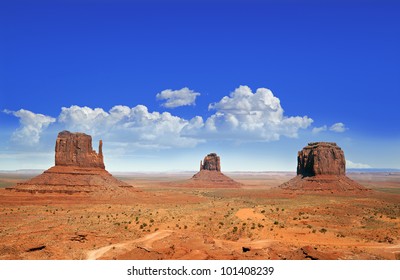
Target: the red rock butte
(321, 168)
(75, 149)
(210, 175)
(211, 162)
(78, 168)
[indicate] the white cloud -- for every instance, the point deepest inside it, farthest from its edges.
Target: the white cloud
(317, 130)
(83, 119)
(31, 126)
(241, 116)
(134, 125)
(350, 164)
(252, 116)
(177, 98)
(338, 127)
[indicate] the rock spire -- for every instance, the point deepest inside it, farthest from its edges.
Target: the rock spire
(78, 169)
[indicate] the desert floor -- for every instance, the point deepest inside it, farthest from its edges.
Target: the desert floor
(165, 220)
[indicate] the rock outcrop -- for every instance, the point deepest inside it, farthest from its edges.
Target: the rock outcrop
(210, 175)
(78, 169)
(211, 162)
(321, 168)
(321, 158)
(75, 149)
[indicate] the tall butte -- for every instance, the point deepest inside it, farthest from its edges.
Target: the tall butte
(78, 168)
(210, 175)
(321, 168)
(75, 149)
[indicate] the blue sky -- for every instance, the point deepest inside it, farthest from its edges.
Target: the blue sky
(163, 83)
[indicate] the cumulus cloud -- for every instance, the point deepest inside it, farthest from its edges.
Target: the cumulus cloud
(338, 127)
(350, 164)
(135, 125)
(243, 116)
(255, 116)
(177, 98)
(31, 126)
(83, 118)
(316, 130)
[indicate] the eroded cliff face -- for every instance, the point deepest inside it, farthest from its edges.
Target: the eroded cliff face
(321, 168)
(210, 175)
(321, 158)
(75, 149)
(211, 162)
(78, 169)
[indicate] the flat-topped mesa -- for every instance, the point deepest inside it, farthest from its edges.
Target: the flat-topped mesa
(321, 168)
(211, 162)
(210, 175)
(321, 158)
(75, 149)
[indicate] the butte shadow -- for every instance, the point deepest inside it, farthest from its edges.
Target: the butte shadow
(78, 169)
(321, 169)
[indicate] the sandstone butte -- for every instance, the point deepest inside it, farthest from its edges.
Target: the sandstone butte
(321, 168)
(210, 175)
(78, 168)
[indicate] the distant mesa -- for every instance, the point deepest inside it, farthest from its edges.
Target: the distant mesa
(321, 167)
(78, 168)
(210, 175)
(211, 162)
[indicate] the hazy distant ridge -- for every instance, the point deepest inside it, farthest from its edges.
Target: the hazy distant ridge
(367, 170)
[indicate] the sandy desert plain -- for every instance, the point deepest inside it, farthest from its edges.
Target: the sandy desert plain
(160, 218)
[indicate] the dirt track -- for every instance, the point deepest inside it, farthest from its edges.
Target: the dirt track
(146, 240)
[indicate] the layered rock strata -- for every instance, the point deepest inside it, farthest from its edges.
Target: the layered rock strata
(75, 149)
(321, 168)
(210, 175)
(78, 169)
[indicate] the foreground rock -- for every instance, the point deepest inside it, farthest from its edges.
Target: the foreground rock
(210, 175)
(78, 169)
(321, 168)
